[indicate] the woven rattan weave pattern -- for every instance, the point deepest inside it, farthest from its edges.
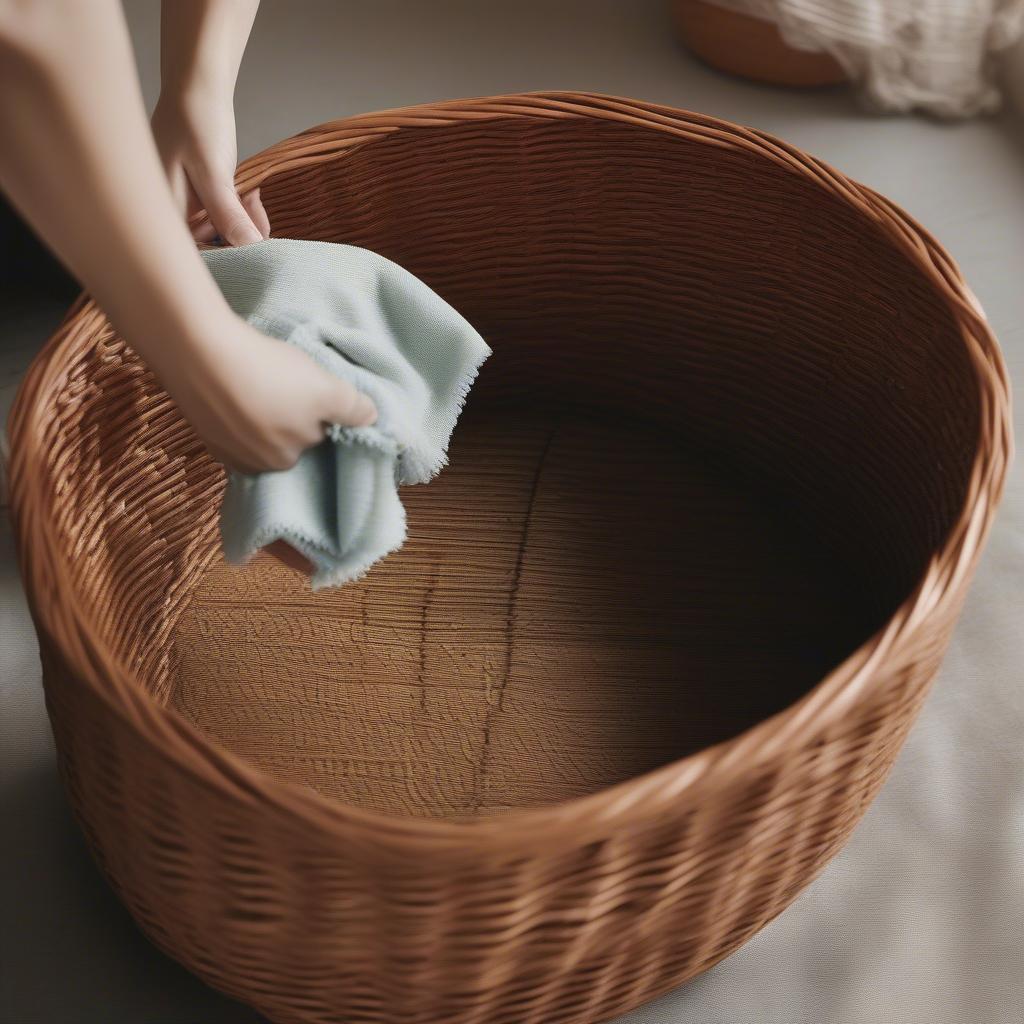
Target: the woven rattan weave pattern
(658, 632)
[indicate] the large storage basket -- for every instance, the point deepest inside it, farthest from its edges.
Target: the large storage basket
(658, 631)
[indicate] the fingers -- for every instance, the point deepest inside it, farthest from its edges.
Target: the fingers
(253, 203)
(253, 452)
(177, 181)
(204, 230)
(345, 405)
(251, 463)
(250, 455)
(228, 216)
(240, 460)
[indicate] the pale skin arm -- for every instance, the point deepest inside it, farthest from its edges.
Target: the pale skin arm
(201, 47)
(80, 163)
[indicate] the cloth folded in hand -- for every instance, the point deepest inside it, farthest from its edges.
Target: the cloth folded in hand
(369, 321)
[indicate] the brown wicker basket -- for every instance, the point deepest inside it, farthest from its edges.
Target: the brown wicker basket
(658, 631)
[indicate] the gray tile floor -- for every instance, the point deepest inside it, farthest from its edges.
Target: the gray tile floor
(919, 918)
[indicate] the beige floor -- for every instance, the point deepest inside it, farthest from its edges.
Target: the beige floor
(919, 919)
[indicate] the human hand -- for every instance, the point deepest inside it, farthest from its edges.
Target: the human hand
(256, 402)
(195, 137)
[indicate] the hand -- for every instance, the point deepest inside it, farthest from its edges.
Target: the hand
(195, 136)
(256, 402)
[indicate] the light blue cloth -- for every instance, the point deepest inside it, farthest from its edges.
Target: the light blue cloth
(369, 321)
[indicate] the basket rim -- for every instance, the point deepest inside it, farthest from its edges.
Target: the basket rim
(62, 621)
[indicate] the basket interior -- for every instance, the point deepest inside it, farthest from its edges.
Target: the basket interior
(725, 427)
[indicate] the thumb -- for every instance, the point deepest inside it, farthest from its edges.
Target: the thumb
(227, 214)
(347, 406)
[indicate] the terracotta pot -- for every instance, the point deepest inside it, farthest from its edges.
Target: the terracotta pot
(750, 47)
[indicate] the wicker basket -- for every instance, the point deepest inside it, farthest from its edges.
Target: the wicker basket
(658, 632)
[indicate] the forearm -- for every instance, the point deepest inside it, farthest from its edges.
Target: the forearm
(201, 44)
(79, 161)
(201, 47)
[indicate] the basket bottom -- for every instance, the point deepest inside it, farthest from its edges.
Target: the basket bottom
(577, 603)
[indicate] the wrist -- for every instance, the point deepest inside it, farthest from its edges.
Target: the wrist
(184, 95)
(181, 333)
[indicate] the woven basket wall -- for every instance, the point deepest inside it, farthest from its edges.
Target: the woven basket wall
(658, 631)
